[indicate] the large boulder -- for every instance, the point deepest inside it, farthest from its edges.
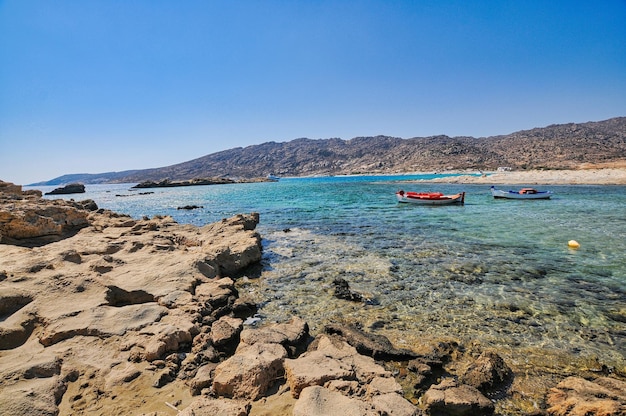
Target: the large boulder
(225, 333)
(228, 253)
(250, 372)
(331, 360)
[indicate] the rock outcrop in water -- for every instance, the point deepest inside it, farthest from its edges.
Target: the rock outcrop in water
(73, 188)
(127, 316)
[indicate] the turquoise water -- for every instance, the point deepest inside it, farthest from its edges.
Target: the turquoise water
(496, 272)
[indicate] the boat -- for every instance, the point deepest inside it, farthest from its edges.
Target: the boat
(524, 193)
(273, 178)
(430, 198)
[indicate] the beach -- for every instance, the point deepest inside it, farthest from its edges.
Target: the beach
(597, 176)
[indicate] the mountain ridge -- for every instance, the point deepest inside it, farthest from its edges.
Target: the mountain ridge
(557, 146)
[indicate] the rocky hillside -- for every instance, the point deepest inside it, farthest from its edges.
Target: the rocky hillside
(553, 147)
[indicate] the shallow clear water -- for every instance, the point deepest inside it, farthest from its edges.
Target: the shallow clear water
(497, 272)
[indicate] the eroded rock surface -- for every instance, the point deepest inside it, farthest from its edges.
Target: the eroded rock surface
(103, 320)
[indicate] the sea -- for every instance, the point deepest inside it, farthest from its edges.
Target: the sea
(490, 273)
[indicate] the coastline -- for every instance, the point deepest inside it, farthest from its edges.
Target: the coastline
(166, 337)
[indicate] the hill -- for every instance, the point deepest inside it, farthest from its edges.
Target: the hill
(559, 146)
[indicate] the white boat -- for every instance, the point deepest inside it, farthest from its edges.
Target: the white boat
(430, 198)
(273, 178)
(524, 193)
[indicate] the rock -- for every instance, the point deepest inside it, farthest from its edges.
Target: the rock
(383, 385)
(203, 378)
(376, 346)
(291, 335)
(331, 360)
(10, 189)
(116, 296)
(435, 355)
(190, 207)
(342, 291)
(216, 292)
(27, 219)
(216, 407)
(233, 254)
(319, 401)
(250, 372)
(393, 404)
(160, 338)
(87, 204)
(72, 256)
(489, 374)
(176, 299)
(451, 398)
(576, 396)
(163, 377)
(73, 188)
(225, 333)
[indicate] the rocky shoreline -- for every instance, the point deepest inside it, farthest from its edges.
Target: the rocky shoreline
(166, 183)
(104, 314)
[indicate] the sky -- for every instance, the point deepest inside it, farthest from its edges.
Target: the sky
(101, 86)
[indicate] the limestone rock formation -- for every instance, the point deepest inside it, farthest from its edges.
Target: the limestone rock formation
(25, 217)
(97, 322)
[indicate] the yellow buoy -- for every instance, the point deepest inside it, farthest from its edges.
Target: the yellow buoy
(573, 244)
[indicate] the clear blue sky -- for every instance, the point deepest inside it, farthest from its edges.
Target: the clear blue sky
(97, 86)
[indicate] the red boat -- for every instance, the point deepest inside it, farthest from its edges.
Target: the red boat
(430, 198)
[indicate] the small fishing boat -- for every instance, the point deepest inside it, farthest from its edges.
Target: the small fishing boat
(524, 193)
(430, 198)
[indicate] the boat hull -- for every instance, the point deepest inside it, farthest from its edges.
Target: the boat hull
(500, 194)
(413, 198)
